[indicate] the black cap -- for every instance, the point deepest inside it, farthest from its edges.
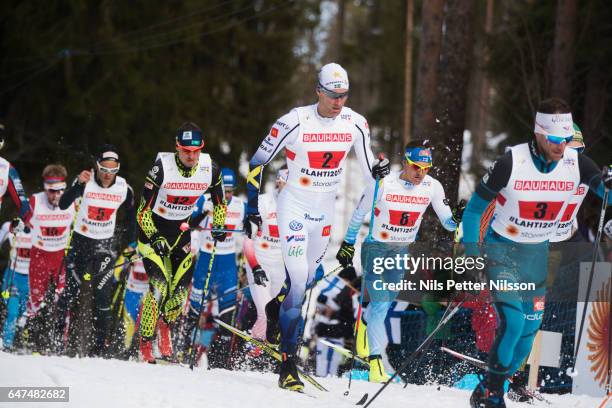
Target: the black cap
(108, 152)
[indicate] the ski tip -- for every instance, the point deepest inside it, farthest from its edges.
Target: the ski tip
(363, 399)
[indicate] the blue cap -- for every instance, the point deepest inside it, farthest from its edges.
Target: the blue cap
(229, 177)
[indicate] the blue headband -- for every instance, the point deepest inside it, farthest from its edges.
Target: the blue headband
(419, 154)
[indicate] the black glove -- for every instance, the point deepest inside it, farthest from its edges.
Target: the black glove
(259, 276)
(160, 245)
(254, 218)
(458, 211)
(381, 168)
(17, 225)
(606, 176)
(345, 254)
(218, 235)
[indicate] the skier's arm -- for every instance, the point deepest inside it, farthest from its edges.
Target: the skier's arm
(248, 249)
(590, 175)
(362, 147)
(144, 214)
(17, 193)
(363, 208)
(75, 191)
(129, 210)
(284, 131)
(440, 206)
(217, 197)
(497, 177)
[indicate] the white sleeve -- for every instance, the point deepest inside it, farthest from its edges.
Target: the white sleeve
(4, 232)
(284, 131)
(440, 204)
(364, 207)
(362, 146)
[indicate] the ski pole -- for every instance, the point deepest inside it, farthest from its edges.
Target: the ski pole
(571, 371)
(360, 309)
(204, 293)
(6, 294)
(185, 227)
(416, 353)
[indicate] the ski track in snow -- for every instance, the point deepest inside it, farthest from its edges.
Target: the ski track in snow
(114, 383)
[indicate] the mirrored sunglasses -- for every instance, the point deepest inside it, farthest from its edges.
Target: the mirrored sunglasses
(559, 139)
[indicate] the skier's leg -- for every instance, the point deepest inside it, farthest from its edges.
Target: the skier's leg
(77, 262)
(103, 297)
(377, 338)
(158, 291)
(324, 356)
(13, 307)
(199, 278)
(226, 280)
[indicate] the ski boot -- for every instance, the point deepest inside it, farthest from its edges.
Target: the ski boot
(164, 343)
(288, 378)
(272, 325)
(517, 390)
(377, 370)
(146, 350)
(361, 337)
(518, 393)
(484, 398)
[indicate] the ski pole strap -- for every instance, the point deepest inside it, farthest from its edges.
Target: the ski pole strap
(371, 228)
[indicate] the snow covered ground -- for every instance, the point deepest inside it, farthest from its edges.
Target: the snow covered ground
(113, 383)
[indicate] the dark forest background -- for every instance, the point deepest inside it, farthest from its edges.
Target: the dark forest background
(76, 74)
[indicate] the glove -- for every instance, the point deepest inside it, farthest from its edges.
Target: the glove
(17, 225)
(160, 245)
(129, 251)
(606, 177)
(254, 218)
(259, 276)
(458, 211)
(218, 235)
(345, 254)
(381, 168)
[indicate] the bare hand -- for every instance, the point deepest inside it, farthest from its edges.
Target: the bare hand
(85, 176)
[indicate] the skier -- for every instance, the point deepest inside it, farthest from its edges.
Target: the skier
(402, 199)
(224, 274)
(264, 267)
(15, 288)
(316, 139)
(531, 198)
(101, 195)
(10, 181)
(50, 235)
(171, 189)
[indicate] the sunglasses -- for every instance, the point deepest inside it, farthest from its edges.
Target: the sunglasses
(331, 94)
(558, 139)
(109, 170)
(418, 166)
(55, 191)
